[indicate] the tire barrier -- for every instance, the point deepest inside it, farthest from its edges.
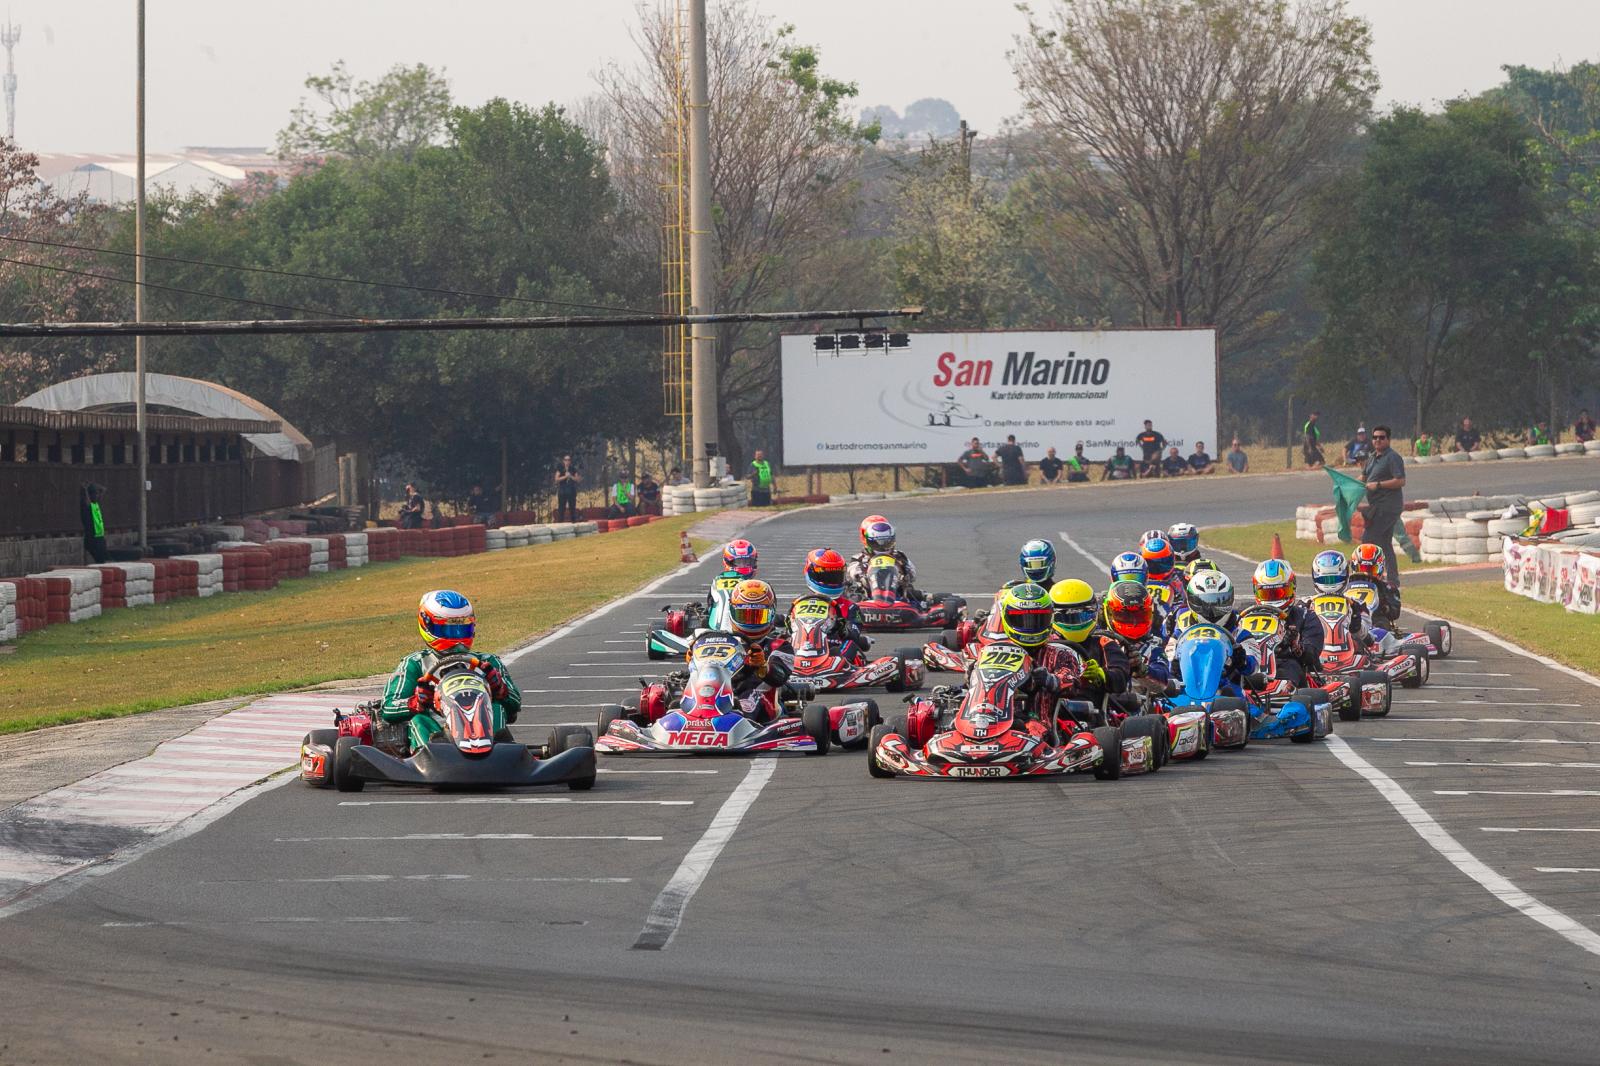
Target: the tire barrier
(1466, 529)
(8, 611)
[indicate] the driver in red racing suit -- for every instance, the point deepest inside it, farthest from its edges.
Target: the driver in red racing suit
(824, 572)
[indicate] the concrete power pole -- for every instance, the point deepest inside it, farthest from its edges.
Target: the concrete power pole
(140, 419)
(9, 36)
(702, 267)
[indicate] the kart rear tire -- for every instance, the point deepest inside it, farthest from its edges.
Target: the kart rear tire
(951, 638)
(561, 739)
(1373, 677)
(1109, 737)
(1203, 748)
(905, 655)
(1234, 703)
(343, 778)
(817, 725)
(874, 716)
(1436, 634)
(875, 738)
(1308, 697)
(1154, 727)
(953, 606)
(1420, 678)
(329, 737)
(614, 713)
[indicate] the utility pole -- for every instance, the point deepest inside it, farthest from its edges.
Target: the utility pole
(140, 421)
(9, 36)
(702, 268)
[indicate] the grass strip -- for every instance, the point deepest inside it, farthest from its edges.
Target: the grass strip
(1255, 542)
(345, 624)
(1546, 628)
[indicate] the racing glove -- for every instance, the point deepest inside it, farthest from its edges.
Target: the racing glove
(421, 701)
(1044, 681)
(1094, 673)
(1136, 665)
(497, 684)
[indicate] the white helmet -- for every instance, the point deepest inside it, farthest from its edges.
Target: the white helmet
(1211, 595)
(1185, 541)
(1149, 535)
(1330, 572)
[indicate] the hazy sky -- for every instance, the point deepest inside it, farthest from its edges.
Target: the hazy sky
(223, 72)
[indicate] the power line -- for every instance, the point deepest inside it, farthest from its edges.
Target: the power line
(325, 277)
(171, 288)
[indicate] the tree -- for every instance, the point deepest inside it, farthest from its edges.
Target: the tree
(1439, 263)
(783, 156)
(398, 115)
(1186, 138)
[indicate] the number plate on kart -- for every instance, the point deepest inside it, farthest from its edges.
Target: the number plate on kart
(1001, 657)
(1204, 633)
(979, 771)
(1364, 594)
(811, 610)
(716, 649)
(883, 562)
(1331, 606)
(1262, 624)
(726, 584)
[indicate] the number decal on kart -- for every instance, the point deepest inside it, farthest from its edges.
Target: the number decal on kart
(882, 562)
(1001, 659)
(726, 584)
(1331, 606)
(810, 609)
(1260, 623)
(1204, 633)
(1365, 594)
(1162, 592)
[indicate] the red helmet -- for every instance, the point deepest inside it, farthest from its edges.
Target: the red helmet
(867, 523)
(740, 557)
(825, 572)
(1368, 559)
(1128, 610)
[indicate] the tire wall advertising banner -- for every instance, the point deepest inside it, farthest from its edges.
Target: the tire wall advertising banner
(922, 404)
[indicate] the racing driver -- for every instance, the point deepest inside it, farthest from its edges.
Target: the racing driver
(446, 623)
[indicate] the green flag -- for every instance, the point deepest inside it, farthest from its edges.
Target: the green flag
(1347, 494)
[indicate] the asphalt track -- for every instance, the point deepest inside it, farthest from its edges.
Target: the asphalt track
(1266, 906)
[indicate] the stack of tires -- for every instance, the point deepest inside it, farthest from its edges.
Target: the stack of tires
(208, 573)
(113, 587)
(317, 552)
(8, 611)
(677, 499)
(356, 551)
(70, 595)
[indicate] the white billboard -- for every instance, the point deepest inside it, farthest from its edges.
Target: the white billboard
(922, 404)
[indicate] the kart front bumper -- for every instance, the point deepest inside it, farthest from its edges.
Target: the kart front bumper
(506, 765)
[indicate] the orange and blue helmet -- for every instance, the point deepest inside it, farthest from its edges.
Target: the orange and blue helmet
(739, 557)
(1158, 558)
(446, 622)
(825, 573)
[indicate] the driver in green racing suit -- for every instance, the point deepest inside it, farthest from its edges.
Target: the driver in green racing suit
(445, 621)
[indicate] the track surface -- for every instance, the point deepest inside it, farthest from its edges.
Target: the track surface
(1265, 906)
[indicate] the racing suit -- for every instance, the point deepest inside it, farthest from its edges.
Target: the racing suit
(760, 668)
(856, 570)
(1300, 650)
(407, 695)
(844, 625)
(1110, 659)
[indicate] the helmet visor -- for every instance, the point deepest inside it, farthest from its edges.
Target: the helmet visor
(1184, 543)
(1274, 594)
(1027, 625)
(455, 629)
(1129, 621)
(751, 615)
(825, 582)
(1075, 618)
(1038, 568)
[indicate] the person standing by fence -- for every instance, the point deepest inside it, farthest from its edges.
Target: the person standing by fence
(760, 480)
(1311, 442)
(412, 509)
(94, 523)
(568, 478)
(1385, 477)
(1012, 470)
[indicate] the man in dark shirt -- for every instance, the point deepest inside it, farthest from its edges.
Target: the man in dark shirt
(1359, 449)
(649, 490)
(974, 463)
(411, 511)
(1050, 467)
(1467, 438)
(1173, 465)
(1385, 477)
(1583, 428)
(1119, 467)
(568, 477)
(94, 523)
(1012, 472)
(1150, 443)
(1311, 441)
(478, 505)
(1200, 462)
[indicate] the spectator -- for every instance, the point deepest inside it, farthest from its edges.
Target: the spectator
(94, 523)
(1238, 461)
(478, 505)
(1359, 450)
(1583, 428)
(1311, 442)
(568, 478)
(1012, 470)
(1539, 434)
(649, 494)
(1150, 443)
(623, 503)
(1424, 445)
(1173, 465)
(1078, 464)
(1385, 476)
(760, 480)
(1050, 467)
(975, 465)
(1119, 467)
(1200, 462)
(675, 476)
(1467, 438)
(412, 509)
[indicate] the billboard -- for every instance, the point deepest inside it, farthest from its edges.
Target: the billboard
(922, 404)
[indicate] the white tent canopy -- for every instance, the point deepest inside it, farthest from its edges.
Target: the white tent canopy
(205, 399)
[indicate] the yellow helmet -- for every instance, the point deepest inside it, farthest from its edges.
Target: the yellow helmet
(1074, 609)
(1025, 615)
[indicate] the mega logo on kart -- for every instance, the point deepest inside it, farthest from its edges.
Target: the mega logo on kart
(698, 738)
(924, 403)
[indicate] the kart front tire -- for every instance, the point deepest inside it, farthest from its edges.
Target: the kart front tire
(344, 778)
(875, 738)
(1437, 636)
(615, 712)
(1373, 677)
(1109, 737)
(330, 738)
(652, 652)
(1308, 698)
(951, 638)
(818, 727)
(563, 737)
(1154, 727)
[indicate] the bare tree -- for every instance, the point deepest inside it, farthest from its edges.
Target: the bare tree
(1186, 138)
(783, 158)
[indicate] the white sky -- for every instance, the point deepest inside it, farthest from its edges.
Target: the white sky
(223, 72)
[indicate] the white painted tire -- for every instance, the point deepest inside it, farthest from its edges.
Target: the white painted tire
(1505, 526)
(1578, 499)
(1424, 460)
(1453, 457)
(1512, 453)
(1570, 448)
(1484, 454)
(1540, 451)
(1591, 447)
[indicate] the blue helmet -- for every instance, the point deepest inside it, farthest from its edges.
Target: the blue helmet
(1038, 561)
(1130, 566)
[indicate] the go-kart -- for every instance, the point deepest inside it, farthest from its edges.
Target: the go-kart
(462, 742)
(1203, 653)
(1433, 642)
(975, 733)
(1263, 638)
(1370, 678)
(884, 606)
(671, 639)
(957, 647)
(816, 660)
(696, 712)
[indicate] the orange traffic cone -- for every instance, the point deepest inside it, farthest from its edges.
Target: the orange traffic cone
(1277, 548)
(685, 552)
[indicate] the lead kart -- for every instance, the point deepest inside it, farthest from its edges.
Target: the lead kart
(1434, 642)
(697, 712)
(815, 659)
(462, 742)
(670, 640)
(885, 607)
(975, 733)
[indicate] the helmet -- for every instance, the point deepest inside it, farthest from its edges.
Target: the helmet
(1185, 541)
(1072, 602)
(867, 523)
(444, 618)
(1130, 566)
(825, 573)
(1211, 595)
(1368, 560)
(879, 536)
(740, 557)
(1151, 534)
(753, 608)
(1158, 558)
(1274, 583)
(1194, 566)
(1038, 561)
(1025, 615)
(1128, 611)
(1330, 573)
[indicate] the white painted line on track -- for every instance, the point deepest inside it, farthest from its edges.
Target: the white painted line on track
(1497, 792)
(606, 770)
(457, 837)
(1568, 869)
(1535, 829)
(1496, 721)
(1525, 765)
(666, 914)
(1442, 671)
(634, 677)
(1484, 688)
(1506, 645)
(1099, 564)
(641, 653)
(1470, 740)
(471, 801)
(364, 879)
(1446, 845)
(1398, 702)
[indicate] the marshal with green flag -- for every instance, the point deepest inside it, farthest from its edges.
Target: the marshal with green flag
(1347, 496)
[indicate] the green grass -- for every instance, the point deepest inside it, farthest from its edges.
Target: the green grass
(1255, 542)
(346, 624)
(1545, 628)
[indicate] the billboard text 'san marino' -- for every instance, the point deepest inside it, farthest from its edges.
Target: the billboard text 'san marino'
(922, 404)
